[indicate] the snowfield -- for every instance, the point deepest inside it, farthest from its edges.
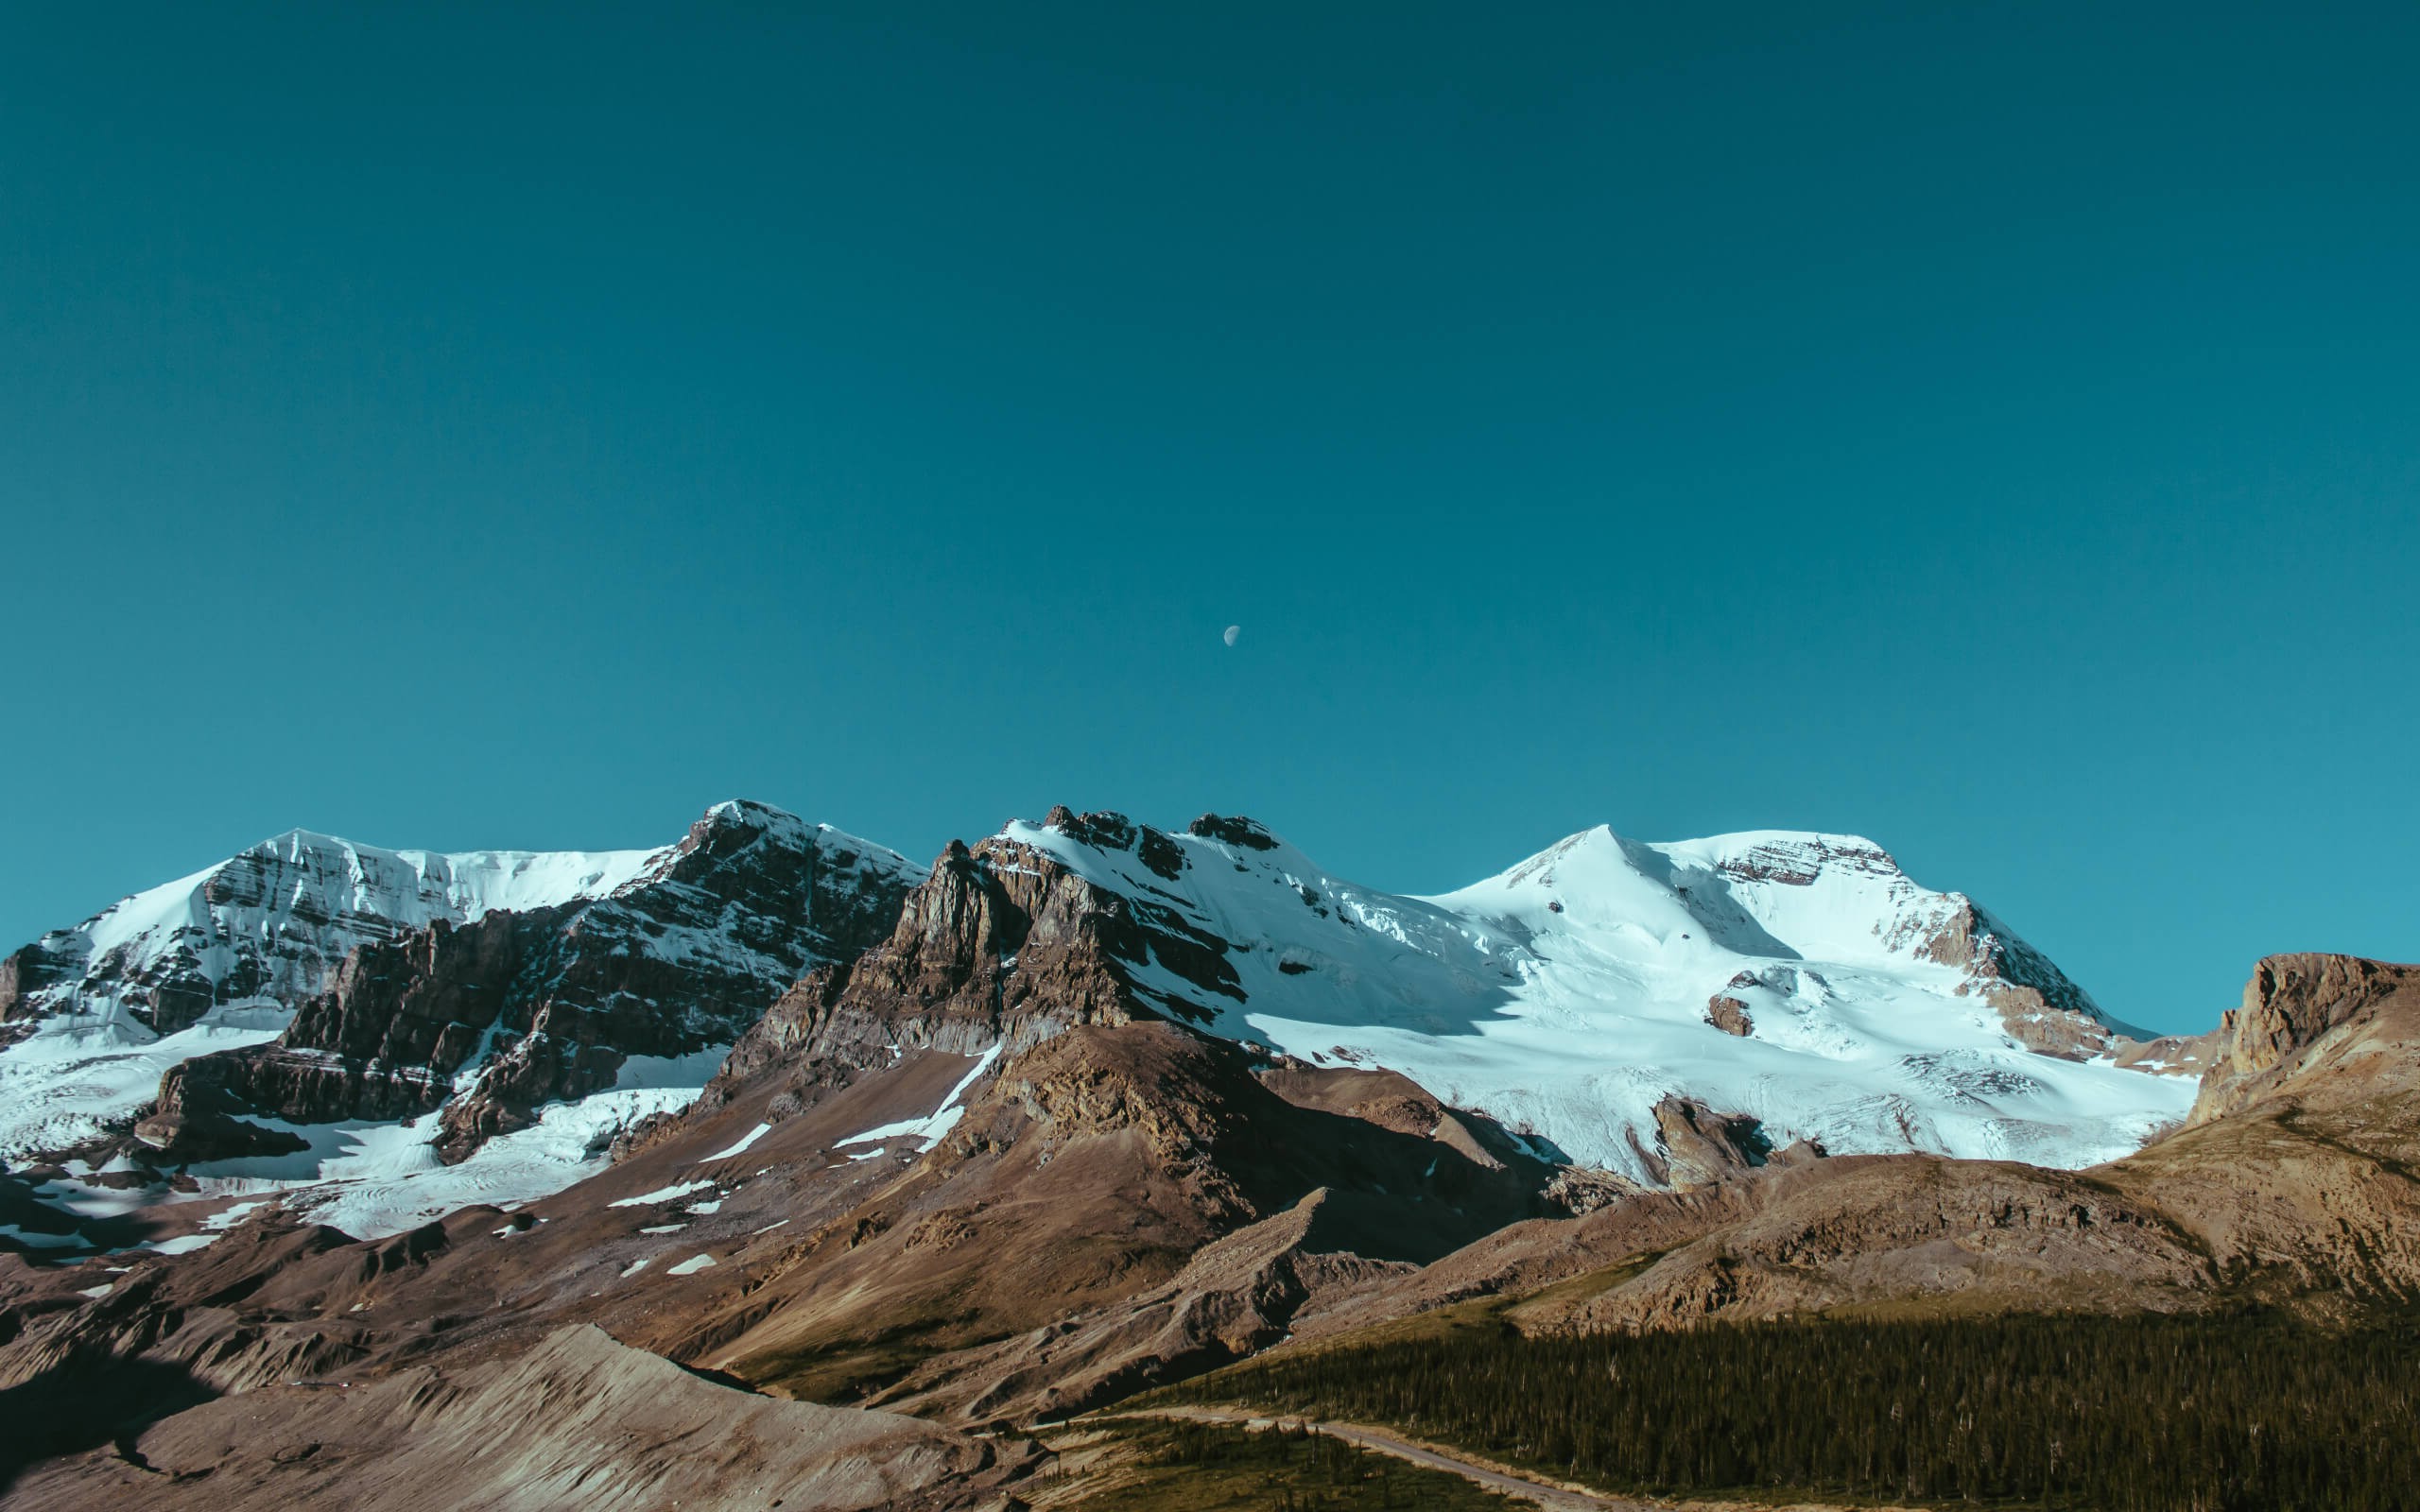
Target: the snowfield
(1567, 995)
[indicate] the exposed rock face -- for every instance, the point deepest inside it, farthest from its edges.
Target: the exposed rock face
(33, 976)
(492, 1018)
(1696, 1145)
(2042, 1009)
(2292, 1006)
(1235, 830)
(1730, 1015)
(1002, 945)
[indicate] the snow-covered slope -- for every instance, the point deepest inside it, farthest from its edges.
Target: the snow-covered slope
(218, 960)
(621, 980)
(1572, 993)
(269, 922)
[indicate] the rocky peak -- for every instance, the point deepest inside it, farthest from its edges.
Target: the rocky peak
(1107, 830)
(2297, 1009)
(529, 979)
(1234, 830)
(1002, 944)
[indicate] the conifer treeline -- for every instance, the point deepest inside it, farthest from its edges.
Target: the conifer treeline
(2145, 1413)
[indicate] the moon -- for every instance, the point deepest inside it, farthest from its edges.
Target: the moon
(1233, 632)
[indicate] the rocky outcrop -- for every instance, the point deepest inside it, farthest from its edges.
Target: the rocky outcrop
(2294, 1008)
(200, 1116)
(1696, 1145)
(1003, 944)
(1730, 1015)
(33, 976)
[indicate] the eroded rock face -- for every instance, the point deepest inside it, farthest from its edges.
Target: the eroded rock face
(2041, 1008)
(1696, 1145)
(1002, 945)
(2291, 1006)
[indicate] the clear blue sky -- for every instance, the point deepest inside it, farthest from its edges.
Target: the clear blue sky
(1991, 429)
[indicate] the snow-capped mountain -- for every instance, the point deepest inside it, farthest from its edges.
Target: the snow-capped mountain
(1799, 980)
(403, 1032)
(265, 927)
(318, 1008)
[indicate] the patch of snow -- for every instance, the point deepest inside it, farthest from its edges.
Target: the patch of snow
(78, 1075)
(691, 1266)
(222, 1221)
(182, 1244)
(371, 1179)
(937, 1123)
(648, 1199)
(745, 1141)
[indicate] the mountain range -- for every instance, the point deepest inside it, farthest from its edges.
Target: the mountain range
(1082, 1108)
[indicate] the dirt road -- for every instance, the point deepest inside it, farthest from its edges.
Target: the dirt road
(1378, 1440)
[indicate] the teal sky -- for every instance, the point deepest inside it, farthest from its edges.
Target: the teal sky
(1995, 430)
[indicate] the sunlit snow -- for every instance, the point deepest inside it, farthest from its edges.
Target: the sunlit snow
(1566, 996)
